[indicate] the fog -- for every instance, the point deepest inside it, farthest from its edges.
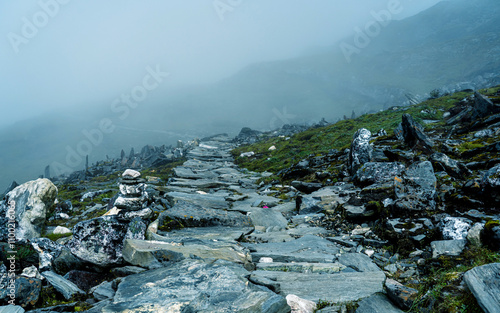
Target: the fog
(59, 55)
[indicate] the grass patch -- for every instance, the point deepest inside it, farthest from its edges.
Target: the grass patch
(319, 141)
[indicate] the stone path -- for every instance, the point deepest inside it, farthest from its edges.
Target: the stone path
(232, 231)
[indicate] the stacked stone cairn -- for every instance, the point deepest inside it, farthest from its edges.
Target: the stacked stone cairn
(133, 195)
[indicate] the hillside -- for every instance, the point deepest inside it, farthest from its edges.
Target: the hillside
(338, 218)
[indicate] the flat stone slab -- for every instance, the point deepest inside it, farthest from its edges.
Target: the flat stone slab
(187, 173)
(339, 287)
(301, 267)
(152, 254)
(195, 286)
(359, 262)
(192, 215)
(484, 283)
(304, 229)
(447, 247)
(61, 284)
(312, 249)
(377, 303)
(198, 183)
(268, 218)
(215, 232)
(208, 200)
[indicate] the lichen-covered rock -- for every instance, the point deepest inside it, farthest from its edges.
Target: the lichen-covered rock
(378, 172)
(26, 291)
(27, 204)
(416, 189)
(99, 241)
(455, 228)
(361, 150)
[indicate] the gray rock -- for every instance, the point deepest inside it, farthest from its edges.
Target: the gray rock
(378, 172)
(474, 235)
(27, 204)
(338, 287)
(62, 285)
(11, 309)
(306, 187)
(301, 267)
(484, 283)
(414, 135)
(401, 295)
(127, 270)
(104, 291)
(186, 214)
(47, 250)
(306, 249)
(99, 241)
(224, 233)
(361, 150)
(152, 254)
(416, 190)
(26, 290)
(359, 262)
(447, 247)
(66, 262)
(454, 228)
(195, 286)
(491, 183)
(268, 218)
(483, 106)
(188, 173)
(355, 212)
(454, 168)
(205, 200)
(377, 303)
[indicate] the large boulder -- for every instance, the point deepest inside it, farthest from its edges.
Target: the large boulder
(361, 150)
(100, 240)
(195, 286)
(27, 204)
(442, 162)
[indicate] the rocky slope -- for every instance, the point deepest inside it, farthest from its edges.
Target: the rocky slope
(405, 221)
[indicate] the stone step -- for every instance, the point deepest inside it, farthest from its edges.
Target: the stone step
(340, 287)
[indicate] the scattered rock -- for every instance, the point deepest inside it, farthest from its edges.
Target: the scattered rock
(299, 305)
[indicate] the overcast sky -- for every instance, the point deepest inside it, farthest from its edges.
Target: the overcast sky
(62, 53)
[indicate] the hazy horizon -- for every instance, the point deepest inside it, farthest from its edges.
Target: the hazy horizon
(59, 55)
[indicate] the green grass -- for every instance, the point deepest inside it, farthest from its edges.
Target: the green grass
(441, 290)
(319, 141)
